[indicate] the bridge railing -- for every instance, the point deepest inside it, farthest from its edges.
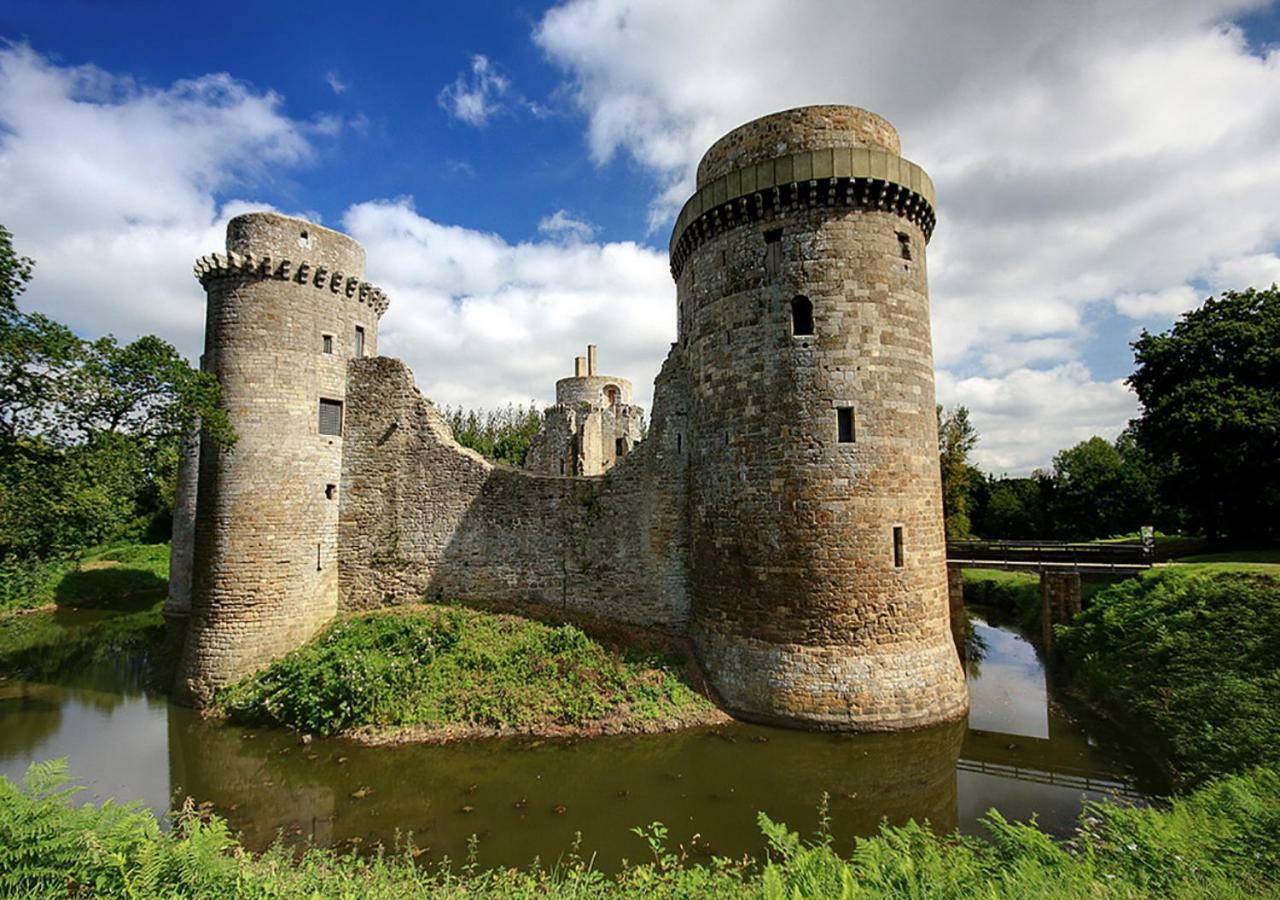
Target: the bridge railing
(1116, 555)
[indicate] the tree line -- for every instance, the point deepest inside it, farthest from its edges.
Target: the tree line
(89, 434)
(1202, 457)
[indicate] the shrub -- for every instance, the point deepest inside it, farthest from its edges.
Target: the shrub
(440, 666)
(1194, 657)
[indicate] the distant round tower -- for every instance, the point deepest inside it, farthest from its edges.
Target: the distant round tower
(287, 309)
(819, 576)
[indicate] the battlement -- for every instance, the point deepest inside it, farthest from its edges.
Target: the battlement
(215, 266)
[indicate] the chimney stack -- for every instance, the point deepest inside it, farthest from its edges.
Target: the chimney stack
(591, 359)
(579, 366)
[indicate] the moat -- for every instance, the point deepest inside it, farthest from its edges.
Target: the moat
(1023, 751)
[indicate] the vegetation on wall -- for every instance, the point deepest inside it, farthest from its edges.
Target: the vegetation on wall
(443, 667)
(89, 436)
(1222, 841)
(1194, 657)
(502, 435)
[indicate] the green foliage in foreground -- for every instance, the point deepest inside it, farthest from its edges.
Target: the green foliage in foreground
(1222, 841)
(1195, 657)
(442, 666)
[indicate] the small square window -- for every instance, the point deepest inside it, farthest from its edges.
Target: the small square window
(844, 425)
(330, 416)
(326, 343)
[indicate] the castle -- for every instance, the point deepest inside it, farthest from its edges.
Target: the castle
(783, 511)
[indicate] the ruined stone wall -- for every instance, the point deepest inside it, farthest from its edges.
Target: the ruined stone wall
(424, 518)
(265, 549)
(803, 612)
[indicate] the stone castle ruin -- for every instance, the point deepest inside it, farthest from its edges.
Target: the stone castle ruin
(784, 510)
(592, 426)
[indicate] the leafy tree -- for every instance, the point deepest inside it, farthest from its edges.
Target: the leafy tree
(1210, 394)
(502, 435)
(1101, 489)
(89, 430)
(956, 437)
(1012, 508)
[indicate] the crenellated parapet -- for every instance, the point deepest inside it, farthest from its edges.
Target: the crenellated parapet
(215, 266)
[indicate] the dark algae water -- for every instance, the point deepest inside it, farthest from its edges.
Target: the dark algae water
(1021, 751)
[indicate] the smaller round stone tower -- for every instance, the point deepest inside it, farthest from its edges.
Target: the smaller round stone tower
(287, 310)
(593, 425)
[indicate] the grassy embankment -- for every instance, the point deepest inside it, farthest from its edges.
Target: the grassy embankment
(89, 613)
(105, 574)
(1191, 656)
(438, 672)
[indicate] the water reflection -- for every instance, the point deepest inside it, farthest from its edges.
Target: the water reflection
(1021, 751)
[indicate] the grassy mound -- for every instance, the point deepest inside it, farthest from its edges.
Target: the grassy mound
(1222, 841)
(1195, 657)
(442, 666)
(103, 575)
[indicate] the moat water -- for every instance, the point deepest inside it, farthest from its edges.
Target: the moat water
(1024, 751)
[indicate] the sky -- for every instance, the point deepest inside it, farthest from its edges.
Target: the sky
(514, 171)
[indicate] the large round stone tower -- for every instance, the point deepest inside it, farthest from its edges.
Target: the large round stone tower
(287, 309)
(818, 558)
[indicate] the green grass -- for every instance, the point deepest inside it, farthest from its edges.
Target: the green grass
(1262, 562)
(104, 574)
(441, 666)
(1222, 841)
(1192, 659)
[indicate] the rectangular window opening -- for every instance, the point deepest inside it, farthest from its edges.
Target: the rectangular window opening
(326, 343)
(330, 416)
(619, 448)
(897, 546)
(904, 244)
(359, 348)
(844, 423)
(773, 236)
(330, 491)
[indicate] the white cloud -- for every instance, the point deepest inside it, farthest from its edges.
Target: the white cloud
(482, 321)
(1089, 157)
(110, 187)
(564, 226)
(335, 82)
(1158, 304)
(1027, 415)
(476, 96)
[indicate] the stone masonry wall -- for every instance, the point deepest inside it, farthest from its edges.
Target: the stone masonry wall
(801, 612)
(265, 549)
(424, 518)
